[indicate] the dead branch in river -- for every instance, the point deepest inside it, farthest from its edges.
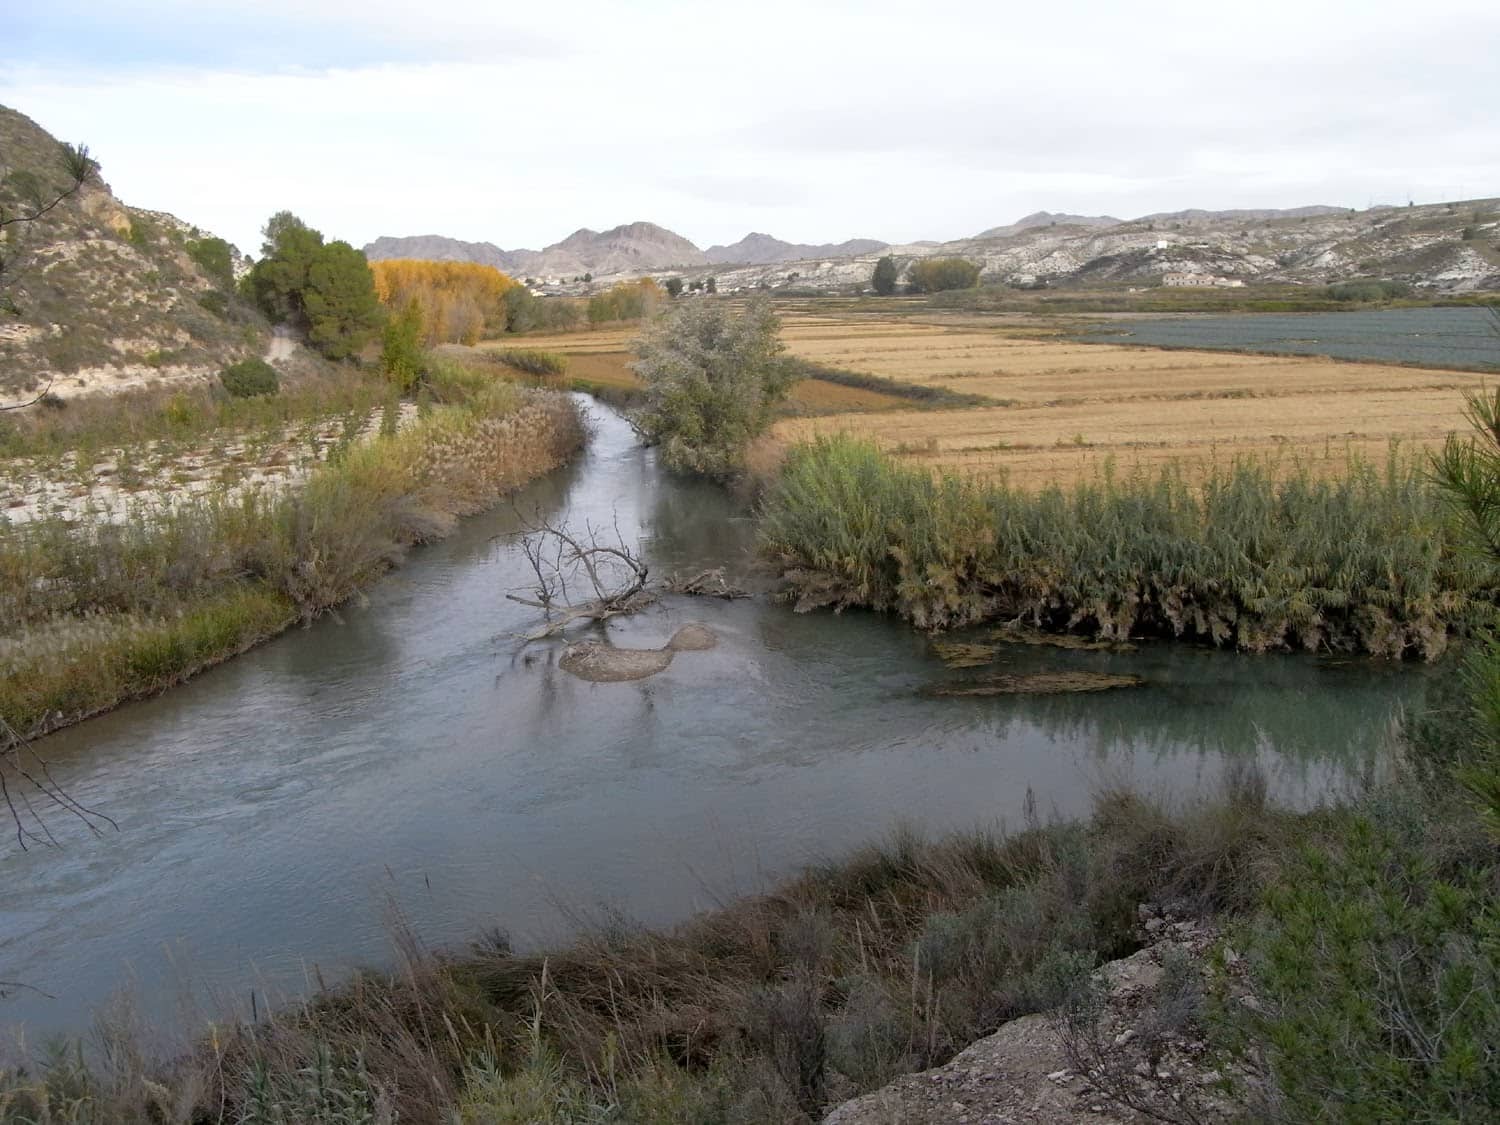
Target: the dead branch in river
(609, 576)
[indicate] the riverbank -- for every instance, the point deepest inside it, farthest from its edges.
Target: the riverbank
(780, 1007)
(102, 611)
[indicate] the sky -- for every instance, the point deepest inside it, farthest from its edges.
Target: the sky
(519, 123)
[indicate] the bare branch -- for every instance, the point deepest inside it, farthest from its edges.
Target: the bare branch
(24, 776)
(43, 393)
(561, 558)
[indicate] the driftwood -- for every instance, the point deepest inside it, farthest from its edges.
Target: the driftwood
(704, 584)
(611, 577)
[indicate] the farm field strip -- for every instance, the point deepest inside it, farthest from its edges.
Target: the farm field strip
(602, 358)
(1070, 408)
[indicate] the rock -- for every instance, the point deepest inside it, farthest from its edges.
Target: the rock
(693, 638)
(602, 664)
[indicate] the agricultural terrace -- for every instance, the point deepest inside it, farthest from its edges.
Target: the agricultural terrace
(1062, 410)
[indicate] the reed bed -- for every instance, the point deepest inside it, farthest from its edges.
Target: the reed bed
(97, 612)
(1247, 557)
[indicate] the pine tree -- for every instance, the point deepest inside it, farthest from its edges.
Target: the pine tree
(884, 279)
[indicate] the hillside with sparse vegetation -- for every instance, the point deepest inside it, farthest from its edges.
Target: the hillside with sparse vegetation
(102, 295)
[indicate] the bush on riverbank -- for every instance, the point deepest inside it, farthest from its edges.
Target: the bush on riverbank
(102, 612)
(1366, 562)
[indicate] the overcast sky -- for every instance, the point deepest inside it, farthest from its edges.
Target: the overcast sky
(517, 123)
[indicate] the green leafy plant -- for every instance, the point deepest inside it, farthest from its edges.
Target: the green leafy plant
(250, 378)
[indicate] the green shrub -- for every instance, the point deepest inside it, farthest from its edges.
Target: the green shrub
(1377, 978)
(1367, 289)
(402, 357)
(533, 361)
(249, 378)
(213, 256)
(215, 302)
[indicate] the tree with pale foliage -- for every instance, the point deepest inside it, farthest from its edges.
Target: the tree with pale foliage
(713, 378)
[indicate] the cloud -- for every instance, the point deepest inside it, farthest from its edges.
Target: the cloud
(816, 122)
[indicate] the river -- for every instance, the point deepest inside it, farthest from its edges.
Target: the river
(410, 754)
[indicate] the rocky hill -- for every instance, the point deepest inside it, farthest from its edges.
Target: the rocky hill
(1048, 219)
(631, 248)
(762, 249)
(1444, 247)
(101, 295)
(1448, 247)
(437, 248)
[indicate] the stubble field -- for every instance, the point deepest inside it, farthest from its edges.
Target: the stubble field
(1063, 411)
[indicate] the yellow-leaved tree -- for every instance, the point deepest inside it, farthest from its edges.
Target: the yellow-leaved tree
(460, 302)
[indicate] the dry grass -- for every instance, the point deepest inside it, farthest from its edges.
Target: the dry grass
(1072, 407)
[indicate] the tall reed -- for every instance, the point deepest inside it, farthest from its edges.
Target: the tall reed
(1247, 557)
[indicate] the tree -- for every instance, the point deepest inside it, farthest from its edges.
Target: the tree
(674, 286)
(343, 313)
(214, 257)
(1468, 470)
(520, 309)
(711, 285)
(713, 378)
(278, 282)
(401, 354)
(884, 279)
(325, 290)
(934, 275)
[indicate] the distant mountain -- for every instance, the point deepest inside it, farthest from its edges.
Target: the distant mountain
(1425, 245)
(761, 249)
(1048, 219)
(633, 247)
(106, 295)
(437, 248)
(1197, 215)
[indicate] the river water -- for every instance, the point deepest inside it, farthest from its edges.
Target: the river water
(411, 754)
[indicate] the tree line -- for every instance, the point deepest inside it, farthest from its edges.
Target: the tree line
(929, 275)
